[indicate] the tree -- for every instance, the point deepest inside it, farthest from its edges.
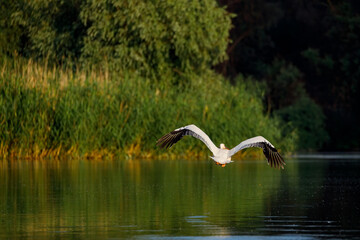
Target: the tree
(155, 37)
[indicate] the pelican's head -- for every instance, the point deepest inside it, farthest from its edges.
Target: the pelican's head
(222, 146)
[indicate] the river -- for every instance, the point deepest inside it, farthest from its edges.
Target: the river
(316, 196)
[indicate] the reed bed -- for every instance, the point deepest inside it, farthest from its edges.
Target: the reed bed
(59, 111)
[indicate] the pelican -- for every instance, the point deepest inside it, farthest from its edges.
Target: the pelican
(222, 155)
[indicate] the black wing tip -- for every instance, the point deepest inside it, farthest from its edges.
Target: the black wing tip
(164, 141)
(170, 139)
(273, 157)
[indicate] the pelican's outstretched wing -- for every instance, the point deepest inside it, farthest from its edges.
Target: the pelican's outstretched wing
(173, 137)
(270, 152)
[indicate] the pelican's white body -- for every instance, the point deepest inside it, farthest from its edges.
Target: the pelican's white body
(222, 155)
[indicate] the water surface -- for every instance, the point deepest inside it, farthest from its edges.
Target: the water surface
(313, 198)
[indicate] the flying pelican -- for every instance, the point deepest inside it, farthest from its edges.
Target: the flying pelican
(222, 155)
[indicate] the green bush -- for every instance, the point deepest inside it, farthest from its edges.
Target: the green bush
(284, 86)
(305, 118)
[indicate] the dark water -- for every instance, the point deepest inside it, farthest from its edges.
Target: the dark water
(315, 197)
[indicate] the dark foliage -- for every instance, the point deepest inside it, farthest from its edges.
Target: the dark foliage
(302, 48)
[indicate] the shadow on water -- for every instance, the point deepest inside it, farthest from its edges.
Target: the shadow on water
(313, 198)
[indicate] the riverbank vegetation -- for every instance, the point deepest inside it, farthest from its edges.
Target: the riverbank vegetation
(107, 78)
(50, 111)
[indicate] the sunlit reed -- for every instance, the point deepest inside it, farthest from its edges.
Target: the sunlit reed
(57, 110)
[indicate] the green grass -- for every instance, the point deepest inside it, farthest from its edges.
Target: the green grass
(86, 113)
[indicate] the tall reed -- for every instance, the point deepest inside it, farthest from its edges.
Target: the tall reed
(53, 111)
